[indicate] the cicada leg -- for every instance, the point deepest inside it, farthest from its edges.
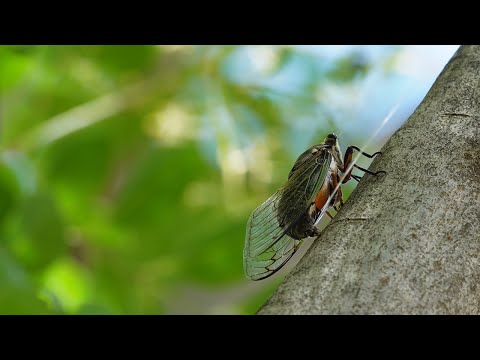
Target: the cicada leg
(363, 152)
(338, 197)
(368, 171)
(348, 160)
(356, 177)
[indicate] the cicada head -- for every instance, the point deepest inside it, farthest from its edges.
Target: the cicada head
(334, 148)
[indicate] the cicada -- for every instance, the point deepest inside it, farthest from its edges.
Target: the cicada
(276, 228)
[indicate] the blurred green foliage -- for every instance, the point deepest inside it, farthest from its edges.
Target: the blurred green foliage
(127, 173)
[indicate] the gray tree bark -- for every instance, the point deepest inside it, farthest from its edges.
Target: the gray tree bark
(407, 242)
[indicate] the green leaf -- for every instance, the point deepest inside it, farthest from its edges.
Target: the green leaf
(9, 190)
(42, 234)
(13, 67)
(18, 294)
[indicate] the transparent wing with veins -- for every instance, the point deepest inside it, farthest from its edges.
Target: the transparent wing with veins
(268, 247)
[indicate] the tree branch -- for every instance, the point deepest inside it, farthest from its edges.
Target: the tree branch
(416, 249)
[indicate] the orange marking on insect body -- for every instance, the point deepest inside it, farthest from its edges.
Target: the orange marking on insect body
(322, 195)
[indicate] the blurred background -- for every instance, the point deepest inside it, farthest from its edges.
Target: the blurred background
(128, 173)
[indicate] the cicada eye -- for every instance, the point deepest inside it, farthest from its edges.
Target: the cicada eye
(332, 136)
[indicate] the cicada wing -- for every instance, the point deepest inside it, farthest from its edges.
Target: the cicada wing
(268, 246)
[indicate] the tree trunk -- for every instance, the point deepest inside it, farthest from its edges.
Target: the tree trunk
(407, 242)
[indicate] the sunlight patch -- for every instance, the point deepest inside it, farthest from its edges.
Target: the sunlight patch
(171, 125)
(69, 283)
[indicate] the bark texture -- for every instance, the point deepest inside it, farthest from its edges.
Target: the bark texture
(407, 242)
